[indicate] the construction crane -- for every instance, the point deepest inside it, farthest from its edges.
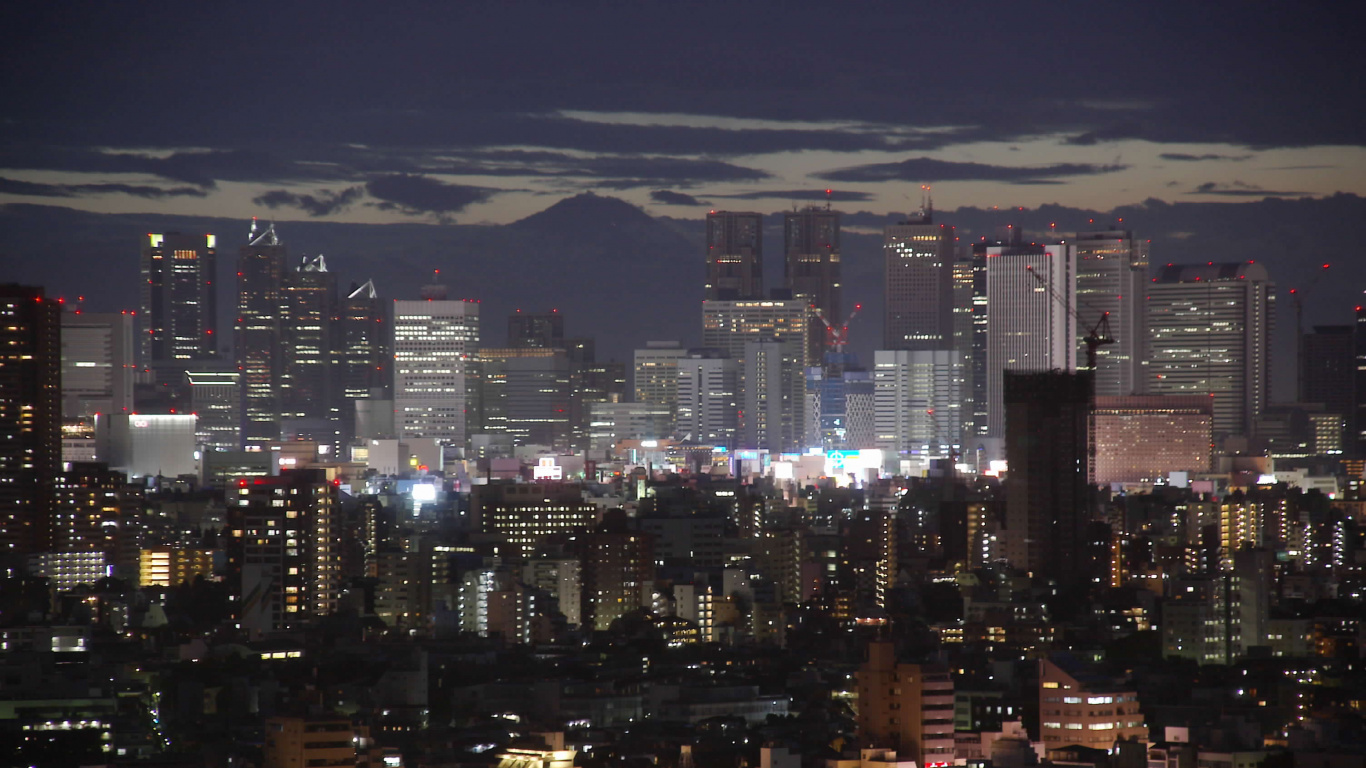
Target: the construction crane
(1097, 336)
(837, 338)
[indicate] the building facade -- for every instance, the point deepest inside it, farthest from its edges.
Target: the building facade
(434, 342)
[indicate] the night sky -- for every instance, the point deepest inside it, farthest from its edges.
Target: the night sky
(488, 112)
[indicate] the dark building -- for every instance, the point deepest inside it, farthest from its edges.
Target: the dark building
(309, 395)
(735, 262)
(918, 260)
(1359, 427)
(363, 354)
(536, 329)
(812, 269)
(617, 568)
(1328, 370)
(179, 300)
(260, 278)
(30, 417)
(1048, 498)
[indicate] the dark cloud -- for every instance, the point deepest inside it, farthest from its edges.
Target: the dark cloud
(835, 195)
(925, 169)
(1185, 158)
(668, 197)
(416, 195)
(322, 203)
(1240, 189)
(203, 169)
(33, 189)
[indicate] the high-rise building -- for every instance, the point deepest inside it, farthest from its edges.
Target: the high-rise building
(363, 354)
(729, 325)
(1144, 438)
(526, 393)
(309, 402)
(617, 566)
(97, 363)
(30, 417)
(655, 374)
(840, 410)
(708, 398)
(1048, 494)
(773, 400)
(1209, 332)
(812, 270)
(1112, 275)
(919, 284)
(970, 336)
(536, 329)
(288, 532)
(906, 707)
(179, 298)
(611, 423)
(1030, 292)
(261, 272)
(90, 515)
(526, 514)
(1358, 437)
(917, 402)
(216, 399)
(735, 264)
(434, 342)
(1328, 369)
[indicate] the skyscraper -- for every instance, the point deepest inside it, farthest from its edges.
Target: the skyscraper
(1048, 494)
(525, 393)
(1030, 290)
(363, 354)
(708, 398)
(773, 402)
(1328, 369)
(1112, 273)
(917, 399)
(812, 269)
(179, 298)
(260, 281)
(97, 363)
(655, 374)
(1209, 332)
(919, 287)
(730, 325)
(309, 402)
(735, 264)
(535, 329)
(30, 417)
(434, 342)
(216, 399)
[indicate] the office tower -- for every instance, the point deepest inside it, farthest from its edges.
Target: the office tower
(525, 393)
(309, 406)
(812, 270)
(536, 329)
(708, 399)
(97, 363)
(611, 423)
(1328, 370)
(1077, 706)
(179, 298)
(917, 401)
(1112, 276)
(1145, 438)
(592, 384)
(655, 373)
(216, 401)
(1030, 292)
(970, 336)
(905, 707)
(617, 567)
(1048, 494)
(30, 417)
(735, 262)
(840, 410)
(363, 352)
(919, 284)
(1209, 333)
(526, 514)
(727, 325)
(261, 272)
(288, 529)
(434, 342)
(773, 400)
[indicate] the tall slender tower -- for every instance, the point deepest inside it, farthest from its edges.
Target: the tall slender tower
(1030, 292)
(308, 321)
(363, 355)
(30, 417)
(919, 286)
(260, 279)
(434, 343)
(812, 268)
(179, 299)
(1209, 332)
(1112, 269)
(735, 261)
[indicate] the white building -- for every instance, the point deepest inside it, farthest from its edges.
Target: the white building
(917, 401)
(433, 343)
(1031, 292)
(148, 445)
(708, 399)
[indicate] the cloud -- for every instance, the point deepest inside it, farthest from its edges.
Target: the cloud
(835, 195)
(1185, 158)
(322, 203)
(34, 189)
(674, 198)
(416, 195)
(1240, 189)
(922, 169)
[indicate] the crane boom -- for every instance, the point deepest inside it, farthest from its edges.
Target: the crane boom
(1097, 336)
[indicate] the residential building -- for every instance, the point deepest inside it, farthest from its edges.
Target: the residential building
(30, 417)
(905, 707)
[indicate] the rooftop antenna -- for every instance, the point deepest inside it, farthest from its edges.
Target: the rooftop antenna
(828, 193)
